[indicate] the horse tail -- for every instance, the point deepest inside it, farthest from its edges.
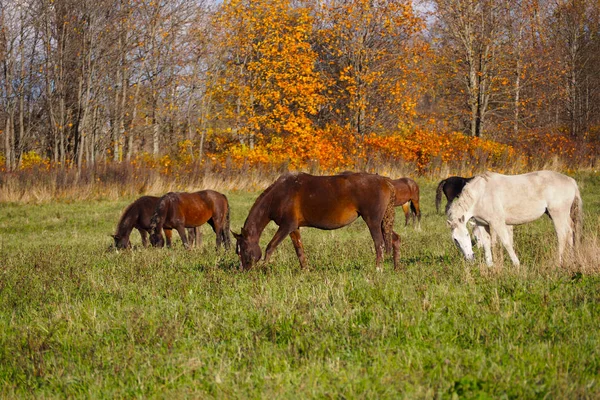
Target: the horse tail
(413, 210)
(414, 202)
(225, 235)
(438, 195)
(577, 219)
(387, 224)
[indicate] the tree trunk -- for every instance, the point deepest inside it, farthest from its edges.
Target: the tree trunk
(155, 136)
(115, 127)
(7, 143)
(132, 123)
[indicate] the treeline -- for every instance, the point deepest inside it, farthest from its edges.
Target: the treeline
(84, 81)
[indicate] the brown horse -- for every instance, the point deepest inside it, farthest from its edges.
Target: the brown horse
(323, 202)
(451, 187)
(137, 215)
(188, 210)
(407, 196)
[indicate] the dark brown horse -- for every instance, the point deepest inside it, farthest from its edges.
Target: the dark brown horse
(137, 215)
(451, 187)
(407, 196)
(188, 210)
(323, 202)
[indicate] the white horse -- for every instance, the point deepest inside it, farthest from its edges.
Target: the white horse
(497, 202)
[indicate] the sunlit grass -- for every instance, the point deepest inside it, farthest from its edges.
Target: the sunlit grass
(81, 321)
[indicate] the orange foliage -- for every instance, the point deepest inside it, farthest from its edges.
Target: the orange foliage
(269, 88)
(539, 146)
(334, 149)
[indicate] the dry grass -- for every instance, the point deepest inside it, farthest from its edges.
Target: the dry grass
(115, 181)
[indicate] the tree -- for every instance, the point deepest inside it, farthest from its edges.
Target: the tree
(370, 54)
(267, 88)
(471, 34)
(575, 30)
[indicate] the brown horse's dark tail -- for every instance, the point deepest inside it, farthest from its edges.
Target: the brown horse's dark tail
(387, 224)
(438, 195)
(416, 213)
(225, 235)
(577, 219)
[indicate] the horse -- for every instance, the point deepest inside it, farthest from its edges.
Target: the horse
(322, 202)
(137, 215)
(497, 202)
(188, 210)
(451, 187)
(407, 196)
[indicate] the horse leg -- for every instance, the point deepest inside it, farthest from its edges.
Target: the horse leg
(297, 240)
(406, 209)
(144, 235)
(281, 233)
(183, 235)
(168, 234)
(194, 236)
(377, 235)
(191, 236)
(564, 232)
(198, 234)
(503, 233)
(218, 229)
(483, 234)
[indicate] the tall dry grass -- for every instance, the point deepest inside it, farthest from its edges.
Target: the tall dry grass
(113, 181)
(123, 180)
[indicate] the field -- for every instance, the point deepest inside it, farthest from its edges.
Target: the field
(77, 320)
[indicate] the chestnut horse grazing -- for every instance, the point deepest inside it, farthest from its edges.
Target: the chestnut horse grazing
(137, 215)
(451, 187)
(323, 202)
(188, 210)
(407, 191)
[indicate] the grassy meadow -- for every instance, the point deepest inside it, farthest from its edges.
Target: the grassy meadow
(78, 320)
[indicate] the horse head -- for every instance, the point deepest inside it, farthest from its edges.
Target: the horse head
(247, 249)
(461, 237)
(156, 239)
(121, 242)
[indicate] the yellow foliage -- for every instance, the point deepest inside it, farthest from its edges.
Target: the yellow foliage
(32, 159)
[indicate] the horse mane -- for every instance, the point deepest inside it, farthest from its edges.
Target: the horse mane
(161, 210)
(257, 208)
(125, 222)
(466, 199)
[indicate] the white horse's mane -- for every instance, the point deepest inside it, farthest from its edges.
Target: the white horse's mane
(466, 198)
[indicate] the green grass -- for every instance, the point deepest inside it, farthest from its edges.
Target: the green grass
(77, 320)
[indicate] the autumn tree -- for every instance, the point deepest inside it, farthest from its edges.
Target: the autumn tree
(575, 30)
(470, 36)
(268, 88)
(370, 52)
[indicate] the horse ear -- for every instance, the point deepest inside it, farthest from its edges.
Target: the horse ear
(113, 236)
(237, 236)
(448, 222)
(461, 219)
